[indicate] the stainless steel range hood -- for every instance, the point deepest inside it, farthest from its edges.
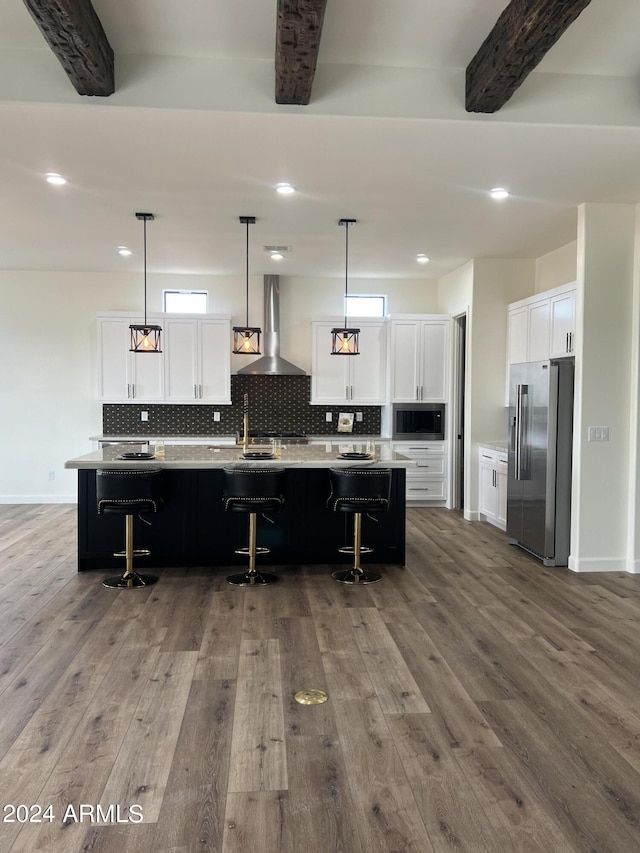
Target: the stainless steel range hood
(271, 363)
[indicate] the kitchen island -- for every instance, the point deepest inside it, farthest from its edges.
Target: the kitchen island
(194, 530)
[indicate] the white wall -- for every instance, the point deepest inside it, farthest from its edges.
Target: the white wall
(604, 370)
(48, 354)
(557, 267)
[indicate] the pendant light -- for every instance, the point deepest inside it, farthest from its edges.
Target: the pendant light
(246, 339)
(345, 341)
(145, 337)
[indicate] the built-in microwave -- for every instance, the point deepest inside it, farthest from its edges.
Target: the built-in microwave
(418, 421)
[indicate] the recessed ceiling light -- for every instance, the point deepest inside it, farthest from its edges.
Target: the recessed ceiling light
(55, 178)
(422, 259)
(499, 192)
(122, 250)
(284, 189)
(276, 256)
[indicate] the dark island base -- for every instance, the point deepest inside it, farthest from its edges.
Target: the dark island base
(194, 530)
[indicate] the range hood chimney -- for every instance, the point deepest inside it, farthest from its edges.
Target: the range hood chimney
(271, 363)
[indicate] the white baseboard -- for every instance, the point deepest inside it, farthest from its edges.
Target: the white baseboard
(599, 564)
(38, 499)
(468, 515)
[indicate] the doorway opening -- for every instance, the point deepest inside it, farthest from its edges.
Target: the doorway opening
(459, 381)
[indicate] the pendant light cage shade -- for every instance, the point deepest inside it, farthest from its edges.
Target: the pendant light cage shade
(145, 337)
(345, 340)
(246, 339)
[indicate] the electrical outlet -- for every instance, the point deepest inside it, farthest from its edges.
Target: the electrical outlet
(52, 475)
(216, 417)
(144, 416)
(328, 416)
(359, 416)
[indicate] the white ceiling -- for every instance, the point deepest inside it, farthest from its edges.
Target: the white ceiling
(193, 135)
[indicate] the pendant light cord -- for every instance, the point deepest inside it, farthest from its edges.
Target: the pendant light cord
(247, 284)
(346, 271)
(144, 244)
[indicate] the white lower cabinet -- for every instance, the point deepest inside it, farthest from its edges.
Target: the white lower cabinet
(428, 480)
(493, 486)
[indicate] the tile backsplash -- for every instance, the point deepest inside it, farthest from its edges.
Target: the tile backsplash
(278, 403)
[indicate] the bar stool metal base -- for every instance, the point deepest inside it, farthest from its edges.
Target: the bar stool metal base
(252, 579)
(132, 581)
(356, 576)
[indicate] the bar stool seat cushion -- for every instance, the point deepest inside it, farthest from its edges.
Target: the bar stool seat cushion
(128, 492)
(359, 489)
(253, 490)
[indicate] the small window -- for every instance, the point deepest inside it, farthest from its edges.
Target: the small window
(185, 301)
(365, 306)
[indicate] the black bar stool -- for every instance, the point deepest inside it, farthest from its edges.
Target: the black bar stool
(129, 493)
(253, 491)
(358, 490)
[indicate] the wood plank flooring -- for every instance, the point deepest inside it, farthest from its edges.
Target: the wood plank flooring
(478, 703)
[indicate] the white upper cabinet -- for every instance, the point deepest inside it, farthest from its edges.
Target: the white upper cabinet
(193, 367)
(419, 359)
(542, 326)
(563, 324)
(197, 366)
(124, 376)
(337, 379)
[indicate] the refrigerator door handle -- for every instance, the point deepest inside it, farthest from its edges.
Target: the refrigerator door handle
(522, 393)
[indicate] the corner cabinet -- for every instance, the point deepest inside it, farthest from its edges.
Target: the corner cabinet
(419, 358)
(124, 376)
(358, 379)
(493, 486)
(193, 367)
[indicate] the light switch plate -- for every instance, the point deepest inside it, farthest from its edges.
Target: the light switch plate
(328, 416)
(216, 417)
(359, 416)
(144, 416)
(600, 433)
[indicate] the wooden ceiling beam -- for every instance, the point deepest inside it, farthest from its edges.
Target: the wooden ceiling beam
(74, 33)
(297, 45)
(523, 34)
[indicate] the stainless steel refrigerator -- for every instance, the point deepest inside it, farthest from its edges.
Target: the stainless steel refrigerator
(540, 451)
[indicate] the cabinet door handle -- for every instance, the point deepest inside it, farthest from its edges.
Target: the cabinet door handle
(200, 391)
(195, 391)
(346, 392)
(128, 390)
(133, 389)
(570, 342)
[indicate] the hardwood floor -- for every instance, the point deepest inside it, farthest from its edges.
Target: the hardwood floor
(478, 703)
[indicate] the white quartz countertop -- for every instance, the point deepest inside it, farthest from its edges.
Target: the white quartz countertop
(325, 455)
(500, 446)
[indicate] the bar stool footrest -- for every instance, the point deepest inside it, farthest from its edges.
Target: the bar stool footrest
(349, 549)
(246, 552)
(137, 552)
